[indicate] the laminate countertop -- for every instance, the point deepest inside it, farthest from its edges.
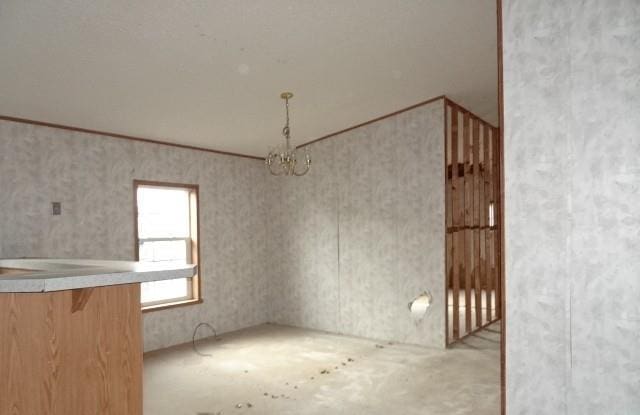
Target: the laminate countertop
(46, 275)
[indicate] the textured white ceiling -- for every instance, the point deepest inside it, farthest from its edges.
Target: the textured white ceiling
(209, 73)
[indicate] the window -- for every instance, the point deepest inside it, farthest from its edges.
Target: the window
(167, 231)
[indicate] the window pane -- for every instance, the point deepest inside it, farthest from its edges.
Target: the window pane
(165, 251)
(158, 291)
(163, 213)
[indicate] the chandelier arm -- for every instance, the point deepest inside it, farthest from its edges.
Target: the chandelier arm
(273, 173)
(271, 157)
(276, 172)
(303, 172)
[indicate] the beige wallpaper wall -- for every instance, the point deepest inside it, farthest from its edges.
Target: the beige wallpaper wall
(360, 236)
(349, 245)
(572, 192)
(92, 176)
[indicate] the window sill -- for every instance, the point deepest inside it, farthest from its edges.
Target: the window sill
(164, 306)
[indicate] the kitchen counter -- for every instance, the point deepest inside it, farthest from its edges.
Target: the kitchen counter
(71, 335)
(46, 275)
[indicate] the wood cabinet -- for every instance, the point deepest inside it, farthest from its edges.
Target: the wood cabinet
(73, 352)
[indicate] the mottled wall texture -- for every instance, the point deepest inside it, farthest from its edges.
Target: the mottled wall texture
(362, 234)
(348, 246)
(93, 177)
(572, 194)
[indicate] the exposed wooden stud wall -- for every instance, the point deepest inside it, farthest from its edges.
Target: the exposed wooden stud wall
(472, 243)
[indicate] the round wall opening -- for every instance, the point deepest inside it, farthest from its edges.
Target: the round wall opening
(419, 305)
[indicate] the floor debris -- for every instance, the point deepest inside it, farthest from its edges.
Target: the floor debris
(298, 359)
(195, 332)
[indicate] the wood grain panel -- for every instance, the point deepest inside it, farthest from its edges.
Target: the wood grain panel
(57, 362)
(79, 298)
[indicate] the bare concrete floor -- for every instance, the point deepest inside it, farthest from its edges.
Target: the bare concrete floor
(273, 369)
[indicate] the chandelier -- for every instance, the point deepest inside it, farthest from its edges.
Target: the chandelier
(282, 161)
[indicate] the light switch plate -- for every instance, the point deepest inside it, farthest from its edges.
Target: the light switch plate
(56, 208)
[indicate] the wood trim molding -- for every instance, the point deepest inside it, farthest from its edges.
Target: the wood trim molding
(391, 114)
(382, 117)
(123, 136)
(503, 297)
(228, 153)
(174, 304)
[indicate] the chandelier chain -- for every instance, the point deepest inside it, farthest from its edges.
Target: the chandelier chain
(286, 131)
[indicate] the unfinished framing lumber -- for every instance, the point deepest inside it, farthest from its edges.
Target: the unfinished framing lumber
(472, 190)
(455, 212)
(476, 221)
(487, 235)
(497, 215)
(468, 221)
